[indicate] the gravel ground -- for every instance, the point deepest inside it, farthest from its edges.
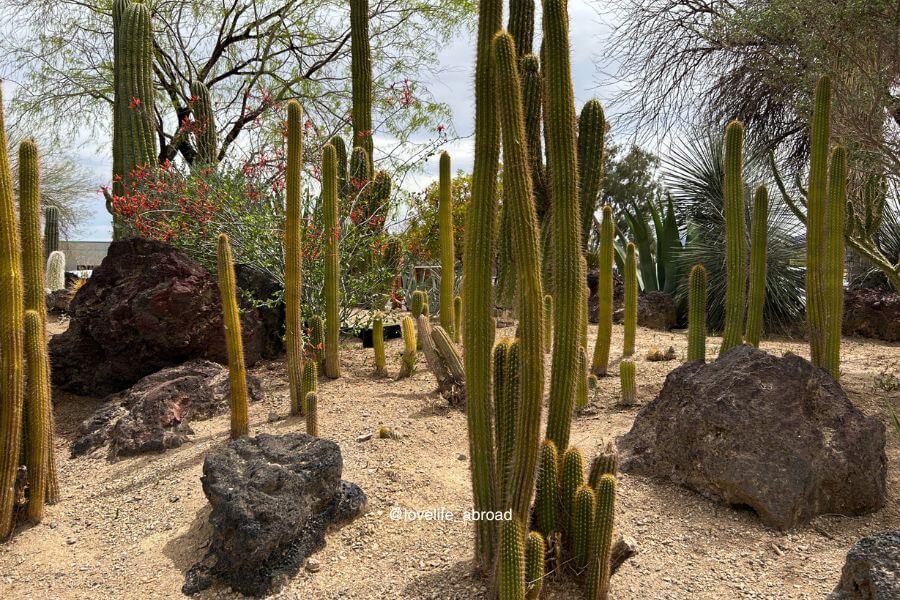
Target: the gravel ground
(130, 529)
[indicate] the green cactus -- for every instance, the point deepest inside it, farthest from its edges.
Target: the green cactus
(605, 463)
(735, 241)
(119, 102)
(293, 257)
(529, 292)
(478, 300)
(833, 265)
(361, 69)
(591, 140)
(312, 413)
(448, 254)
(532, 97)
(136, 90)
(360, 171)
(583, 508)
(626, 376)
(759, 230)
(512, 560)
(205, 133)
(408, 364)
(309, 384)
(507, 365)
(521, 25)
(535, 548)
(38, 409)
(548, 323)
(332, 264)
(418, 304)
(457, 319)
(581, 392)
(342, 165)
(571, 477)
(546, 506)
(317, 340)
(51, 230)
(697, 314)
(237, 372)
(600, 361)
(55, 275)
(12, 351)
(602, 539)
(568, 271)
(631, 293)
(378, 345)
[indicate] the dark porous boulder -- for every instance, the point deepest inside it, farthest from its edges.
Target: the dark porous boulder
(872, 569)
(593, 281)
(154, 414)
(273, 498)
(655, 310)
(872, 313)
(263, 292)
(146, 307)
(751, 429)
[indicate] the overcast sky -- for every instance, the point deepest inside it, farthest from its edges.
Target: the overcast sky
(453, 85)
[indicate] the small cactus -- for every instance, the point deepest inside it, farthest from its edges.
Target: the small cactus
(571, 478)
(312, 413)
(535, 548)
(56, 271)
(205, 134)
(512, 560)
(51, 230)
(237, 373)
(419, 304)
(601, 539)
(408, 364)
(317, 340)
(759, 229)
(457, 318)
(697, 314)
(378, 345)
(605, 463)
(546, 507)
(626, 375)
(631, 292)
(583, 508)
(309, 384)
(600, 361)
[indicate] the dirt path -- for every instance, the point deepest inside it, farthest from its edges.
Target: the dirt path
(130, 529)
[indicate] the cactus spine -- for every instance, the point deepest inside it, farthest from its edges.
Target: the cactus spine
(583, 508)
(448, 253)
(12, 349)
(312, 414)
(361, 68)
(631, 293)
(600, 361)
(601, 539)
(529, 292)
(834, 261)
(378, 345)
(38, 408)
(332, 264)
(293, 258)
(457, 319)
(205, 134)
(548, 323)
(697, 314)
(626, 376)
(591, 134)
(237, 373)
(546, 509)
(535, 548)
(571, 479)
(568, 271)
(735, 242)
(512, 560)
(309, 384)
(408, 365)
(756, 296)
(478, 328)
(51, 230)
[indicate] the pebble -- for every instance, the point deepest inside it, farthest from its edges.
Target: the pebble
(312, 565)
(364, 437)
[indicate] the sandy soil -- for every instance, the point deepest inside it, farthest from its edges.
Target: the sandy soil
(130, 529)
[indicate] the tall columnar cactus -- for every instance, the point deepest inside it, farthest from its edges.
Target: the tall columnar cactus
(448, 253)
(600, 361)
(361, 69)
(293, 256)
(378, 345)
(478, 301)
(317, 340)
(532, 98)
(512, 560)
(139, 141)
(38, 409)
(568, 272)
(312, 413)
(12, 350)
(535, 548)
(506, 385)
(591, 140)
(309, 384)
(408, 364)
(237, 372)
(205, 125)
(546, 507)
(521, 25)
(529, 291)
(601, 540)
(55, 275)
(332, 264)
(627, 379)
(457, 319)
(697, 314)
(735, 241)
(571, 478)
(119, 102)
(759, 231)
(631, 293)
(51, 230)
(583, 509)
(833, 266)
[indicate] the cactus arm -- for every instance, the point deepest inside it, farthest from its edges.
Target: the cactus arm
(756, 296)
(293, 257)
(583, 509)
(332, 264)
(571, 478)
(237, 372)
(546, 507)
(51, 230)
(310, 382)
(457, 319)
(378, 346)
(735, 242)
(205, 123)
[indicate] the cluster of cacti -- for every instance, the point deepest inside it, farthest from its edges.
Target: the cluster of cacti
(697, 314)
(205, 125)
(448, 253)
(312, 413)
(361, 69)
(237, 371)
(332, 262)
(51, 230)
(408, 362)
(606, 255)
(55, 277)
(378, 345)
(293, 257)
(756, 294)
(735, 242)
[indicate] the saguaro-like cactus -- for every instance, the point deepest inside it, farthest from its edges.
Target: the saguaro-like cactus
(568, 272)
(205, 124)
(601, 540)
(51, 230)
(735, 241)
(591, 134)
(448, 253)
(697, 314)
(237, 372)
(37, 437)
(332, 264)
(512, 560)
(600, 361)
(12, 351)
(759, 231)
(478, 301)
(535, 548)
(631, 293)
(546, 509)
(312, 414)
(529, 291)
(583, 508)
(361, 69)
(293, 257)
(627, 379)
(408, 364)
(834, 262)
(378, 345)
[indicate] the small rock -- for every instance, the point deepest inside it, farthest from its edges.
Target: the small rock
(313, 566)
(70, 541)
(364, 437)
(173, 498)
(460, 457)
